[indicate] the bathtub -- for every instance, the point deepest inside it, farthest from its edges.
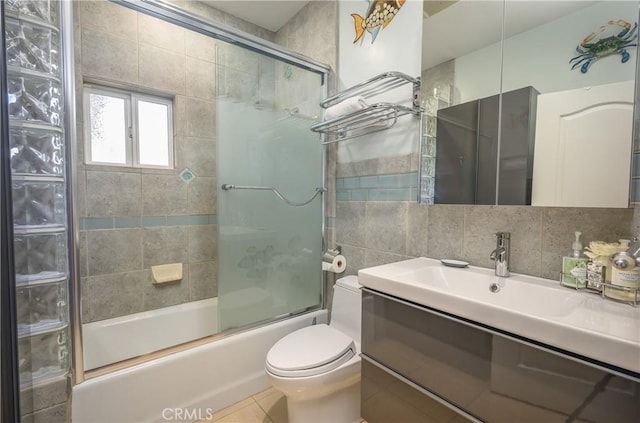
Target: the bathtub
(112, 340)
(190, 383)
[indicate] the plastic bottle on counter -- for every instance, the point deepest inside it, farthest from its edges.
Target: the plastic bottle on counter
(574, 266)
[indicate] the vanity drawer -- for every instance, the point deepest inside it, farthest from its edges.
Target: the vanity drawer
(491, 376)
(387, 397)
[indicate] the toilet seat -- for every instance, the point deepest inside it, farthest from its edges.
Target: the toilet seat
(310, 351)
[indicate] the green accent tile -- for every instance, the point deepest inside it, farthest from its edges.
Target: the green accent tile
(187, 175)
(331, 222)
(359, 195)
(199, 219)
(343, 195)
(351, 182)
(368, 181)
(414, 193)
(339, 183)
(148, 221)
(213, 219)
(182, 220)
(408, 180)
(91, 223)
(81, 223)
(403, 194)
(388, 181)
(128, 222)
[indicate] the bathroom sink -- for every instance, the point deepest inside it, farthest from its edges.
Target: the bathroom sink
(534, 308)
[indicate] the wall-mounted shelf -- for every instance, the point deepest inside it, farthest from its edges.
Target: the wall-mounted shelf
(377, 116)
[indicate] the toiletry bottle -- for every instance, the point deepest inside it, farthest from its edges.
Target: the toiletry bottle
(574, 267)
(596, 273)
(623, 278)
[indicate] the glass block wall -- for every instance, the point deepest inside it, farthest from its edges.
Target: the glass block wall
(438, 98)
(39, 186)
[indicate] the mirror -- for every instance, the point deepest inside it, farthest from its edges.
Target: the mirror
(543, 117)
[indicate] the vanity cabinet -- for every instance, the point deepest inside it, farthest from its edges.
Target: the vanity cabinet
(482, 373)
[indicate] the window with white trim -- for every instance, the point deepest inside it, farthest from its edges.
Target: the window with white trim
(127, 129)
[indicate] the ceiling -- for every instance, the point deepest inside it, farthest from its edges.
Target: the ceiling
(268, 14)
(468, 24)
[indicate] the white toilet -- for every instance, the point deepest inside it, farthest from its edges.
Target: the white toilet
(318, 367)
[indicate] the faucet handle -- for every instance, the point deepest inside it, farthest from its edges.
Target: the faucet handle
(495, 253)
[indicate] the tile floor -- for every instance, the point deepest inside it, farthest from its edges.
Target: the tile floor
(269, 406)
(392, 403)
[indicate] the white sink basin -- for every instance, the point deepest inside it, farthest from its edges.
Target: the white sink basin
(534, 308)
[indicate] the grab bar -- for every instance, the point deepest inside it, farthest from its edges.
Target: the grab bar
(227, 187)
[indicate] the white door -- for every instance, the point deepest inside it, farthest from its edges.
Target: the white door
(583, 147)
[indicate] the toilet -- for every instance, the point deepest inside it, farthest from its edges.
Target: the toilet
(318, 367)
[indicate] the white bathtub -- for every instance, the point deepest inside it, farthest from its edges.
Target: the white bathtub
(190, 383)
(112, 340)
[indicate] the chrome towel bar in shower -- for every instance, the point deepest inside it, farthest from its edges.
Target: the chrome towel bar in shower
(227, 187)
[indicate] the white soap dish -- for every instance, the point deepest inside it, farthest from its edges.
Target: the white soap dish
(166, 273)
(454, 263)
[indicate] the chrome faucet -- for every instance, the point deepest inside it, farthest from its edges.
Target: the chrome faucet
(501, 254)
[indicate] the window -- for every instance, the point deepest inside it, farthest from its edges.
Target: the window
(127, 129)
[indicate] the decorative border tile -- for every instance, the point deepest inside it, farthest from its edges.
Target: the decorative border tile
(394, 187)
(127, 222)
(92, 223)
(152, 221)
(122, 222)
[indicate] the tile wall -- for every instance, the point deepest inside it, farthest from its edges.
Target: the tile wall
(132, 219)
(378, 232)
(540, 236)
(313, 32)
(439, 77)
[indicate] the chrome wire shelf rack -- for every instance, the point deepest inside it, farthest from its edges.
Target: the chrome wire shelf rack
(377, 116)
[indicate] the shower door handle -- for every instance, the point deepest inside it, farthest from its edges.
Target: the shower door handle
(227, 187)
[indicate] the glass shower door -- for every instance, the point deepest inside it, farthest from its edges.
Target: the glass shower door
(269, 251)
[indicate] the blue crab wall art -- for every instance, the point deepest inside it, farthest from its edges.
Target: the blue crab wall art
(612, 38)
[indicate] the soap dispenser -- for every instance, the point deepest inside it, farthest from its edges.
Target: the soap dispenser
(628, 281)
(574, 266)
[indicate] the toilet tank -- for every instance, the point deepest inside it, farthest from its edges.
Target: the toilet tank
(346, 308)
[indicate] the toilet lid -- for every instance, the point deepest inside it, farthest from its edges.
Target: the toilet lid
(310, 351)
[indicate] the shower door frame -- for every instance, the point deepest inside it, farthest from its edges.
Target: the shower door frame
(172, 14)
(9, 380)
